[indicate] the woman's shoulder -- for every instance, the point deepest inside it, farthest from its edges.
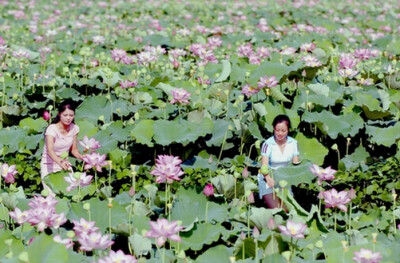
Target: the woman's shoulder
(51, 129)
(270, 140)
(74, 128)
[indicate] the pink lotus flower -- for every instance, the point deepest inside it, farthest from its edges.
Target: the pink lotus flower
(337, 199)
(347, 61)
(8, 173)
(367, 256)
(89, 144)
(363, 53)
(323, 174)
(180, 96)
(268, 82)
(46, 115)
(93, 241)
(167, 169)
(67, 242)
(311, 61)
(347, 72)
(293, 229)
(119, 257)
(19, 216)
(249, 90)
(118, 54)
(245, 50)
(84, 227)
(208, 190)
(94, 160)
(250, 198)
(307, 47)
(163, 230)
(75, 182)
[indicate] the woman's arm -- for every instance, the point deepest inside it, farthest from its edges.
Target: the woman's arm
(296, 159)
(74, 149)
(50, 151)
(267, 177)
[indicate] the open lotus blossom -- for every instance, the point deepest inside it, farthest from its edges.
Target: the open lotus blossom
(77, 179)
(94, 240)
(94, 160)
(83, 226)
(89, 144)
(8, 172)
(167, 169)
(180, 96)
(367, 256)
(323, 174)
(118, 257)
(163, 230)
(248, 90)
(127, 84)
(293, 229)
(337, 199)
(67, 242)
(42, 213)
(267, 82)
(208, 190)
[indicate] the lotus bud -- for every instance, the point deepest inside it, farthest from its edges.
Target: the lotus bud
(344, 245)
(46, 115)
(24, 256)
(208, 190)
(374, 235)
(242, 236)
(257, 144)
(131, 191)
(245, 172)
(250, 198)
(334, 147)
(45, 192)
(394, 195)
(271, 223)
(256, 233)
(264, 169)
(70, 234)
(283, 183)
(86, 206)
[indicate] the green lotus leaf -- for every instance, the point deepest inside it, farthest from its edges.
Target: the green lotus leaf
(67, 93)
(94, 107)
(384, 136)
(9, 137)
(311, 149)
(220, 132)
(255, 131)
(107, 142)
(120, 157)
(166, 88)
(142, 98)
(246, 246)
(143, 132)
(59, 186)
(278, 95)
(160, 38)
(347, 125)
(353, 161)
(190, 207)
(99, 212)
(221, 91)
(54, 252)
(238, 74)
(201, 235)
(35, 125)
(141, 245)
(319, 89)
(86, 128)
(224, 184)
(268, 68)
(294, 175)
(260, 216)
(226, 71)
(118, 132)
(17, 245)
(217, 254)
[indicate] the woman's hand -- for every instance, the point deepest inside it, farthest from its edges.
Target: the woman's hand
(65, 165)
(269, 180)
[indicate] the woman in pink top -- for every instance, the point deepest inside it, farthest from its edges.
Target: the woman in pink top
(60, 139)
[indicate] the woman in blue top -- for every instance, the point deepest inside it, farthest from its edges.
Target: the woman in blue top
(277, 151)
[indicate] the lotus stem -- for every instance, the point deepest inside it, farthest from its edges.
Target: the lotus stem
(206, 211)
(95, 182)
(248, 220)
(222, 146)
(335, 219)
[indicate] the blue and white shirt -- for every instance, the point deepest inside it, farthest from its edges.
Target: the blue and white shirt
(276, 157)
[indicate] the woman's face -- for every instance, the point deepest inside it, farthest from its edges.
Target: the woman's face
(281, 131)
(67, 116)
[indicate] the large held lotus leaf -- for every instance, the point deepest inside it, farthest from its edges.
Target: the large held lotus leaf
(99, 212)
(33, 125)
(53, 252)
(311, 149)
(200, 235)
(384, 136)
(143, 132)
(220, 132)
(353, 161)
(294, 175)
(347, 125)
(216, 254)
(190, 207)
(180, 131)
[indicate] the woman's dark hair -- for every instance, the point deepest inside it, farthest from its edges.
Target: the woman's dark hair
(67, 104)
(281, 118)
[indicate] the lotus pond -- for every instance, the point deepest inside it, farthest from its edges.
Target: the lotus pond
(174, 100)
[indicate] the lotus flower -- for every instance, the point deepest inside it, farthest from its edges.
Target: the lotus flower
(268, 82)
(46, 115)
(180, 96)
(89, 144)
(163, 230)
(249, 90)
(293, 229)
(337, 199)
(94, 160)
(118, 256)
(93, 241)
(323, 174)
(208, 190)
(77, 179)
(67, 242)
(84, 227)
(167, 169)
(367, 256)
(8, 173)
